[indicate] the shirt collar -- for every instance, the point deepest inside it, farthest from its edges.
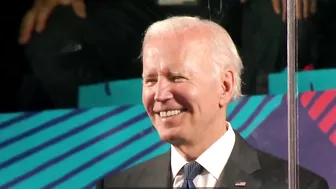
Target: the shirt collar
(213, 159)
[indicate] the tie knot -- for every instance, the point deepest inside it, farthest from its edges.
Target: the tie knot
(191, 170)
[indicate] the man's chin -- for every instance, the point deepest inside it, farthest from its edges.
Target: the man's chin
(173, 139)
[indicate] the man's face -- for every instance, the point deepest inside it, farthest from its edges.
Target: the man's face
(180, 93)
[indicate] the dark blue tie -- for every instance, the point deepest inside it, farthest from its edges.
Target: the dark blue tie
(191, 170)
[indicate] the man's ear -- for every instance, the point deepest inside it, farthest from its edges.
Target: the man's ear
(227, 85)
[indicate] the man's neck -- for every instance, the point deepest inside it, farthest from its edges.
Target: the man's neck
(191, 151)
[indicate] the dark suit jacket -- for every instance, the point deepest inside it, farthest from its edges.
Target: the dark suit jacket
(258, 169)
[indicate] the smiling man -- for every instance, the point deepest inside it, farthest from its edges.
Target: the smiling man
(191, 71)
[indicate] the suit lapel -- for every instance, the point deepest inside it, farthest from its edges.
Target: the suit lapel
(242, 162)
(157, 173)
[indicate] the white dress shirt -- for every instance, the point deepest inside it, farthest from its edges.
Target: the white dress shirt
(213, 160)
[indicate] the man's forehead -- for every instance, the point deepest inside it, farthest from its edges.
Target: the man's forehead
(178, 50)
(184, 68)
(158, 55)
(167, 55)
(157, 47)
(164, 69)
(172, 42)
(150, 51)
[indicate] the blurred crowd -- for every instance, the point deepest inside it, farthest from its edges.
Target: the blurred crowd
(63, 44)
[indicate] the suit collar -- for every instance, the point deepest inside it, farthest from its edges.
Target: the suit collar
(242, 163)
(156, 172)
(218, 152)
(245, 156)
(163, 178)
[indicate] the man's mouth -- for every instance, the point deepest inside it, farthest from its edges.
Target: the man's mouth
(169, 113)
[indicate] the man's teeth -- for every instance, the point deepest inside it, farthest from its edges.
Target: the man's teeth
(169, 113)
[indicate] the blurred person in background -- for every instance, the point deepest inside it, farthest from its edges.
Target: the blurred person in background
(75, 42)
(70, 46)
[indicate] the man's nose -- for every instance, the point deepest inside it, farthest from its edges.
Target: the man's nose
(163, 92)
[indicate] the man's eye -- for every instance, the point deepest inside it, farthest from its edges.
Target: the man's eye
(150, 80)
(177, 78)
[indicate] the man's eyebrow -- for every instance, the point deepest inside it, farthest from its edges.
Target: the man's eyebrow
(179, 72)
(176, 73)
(170, 72)
(145, 75)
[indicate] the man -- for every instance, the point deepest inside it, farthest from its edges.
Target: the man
(191, 71)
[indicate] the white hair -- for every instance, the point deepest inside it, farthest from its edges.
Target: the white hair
(222, 48)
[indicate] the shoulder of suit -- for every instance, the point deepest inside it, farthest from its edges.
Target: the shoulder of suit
(275, 169)
(126, 177)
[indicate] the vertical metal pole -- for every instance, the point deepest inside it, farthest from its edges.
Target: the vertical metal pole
(291, 86)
